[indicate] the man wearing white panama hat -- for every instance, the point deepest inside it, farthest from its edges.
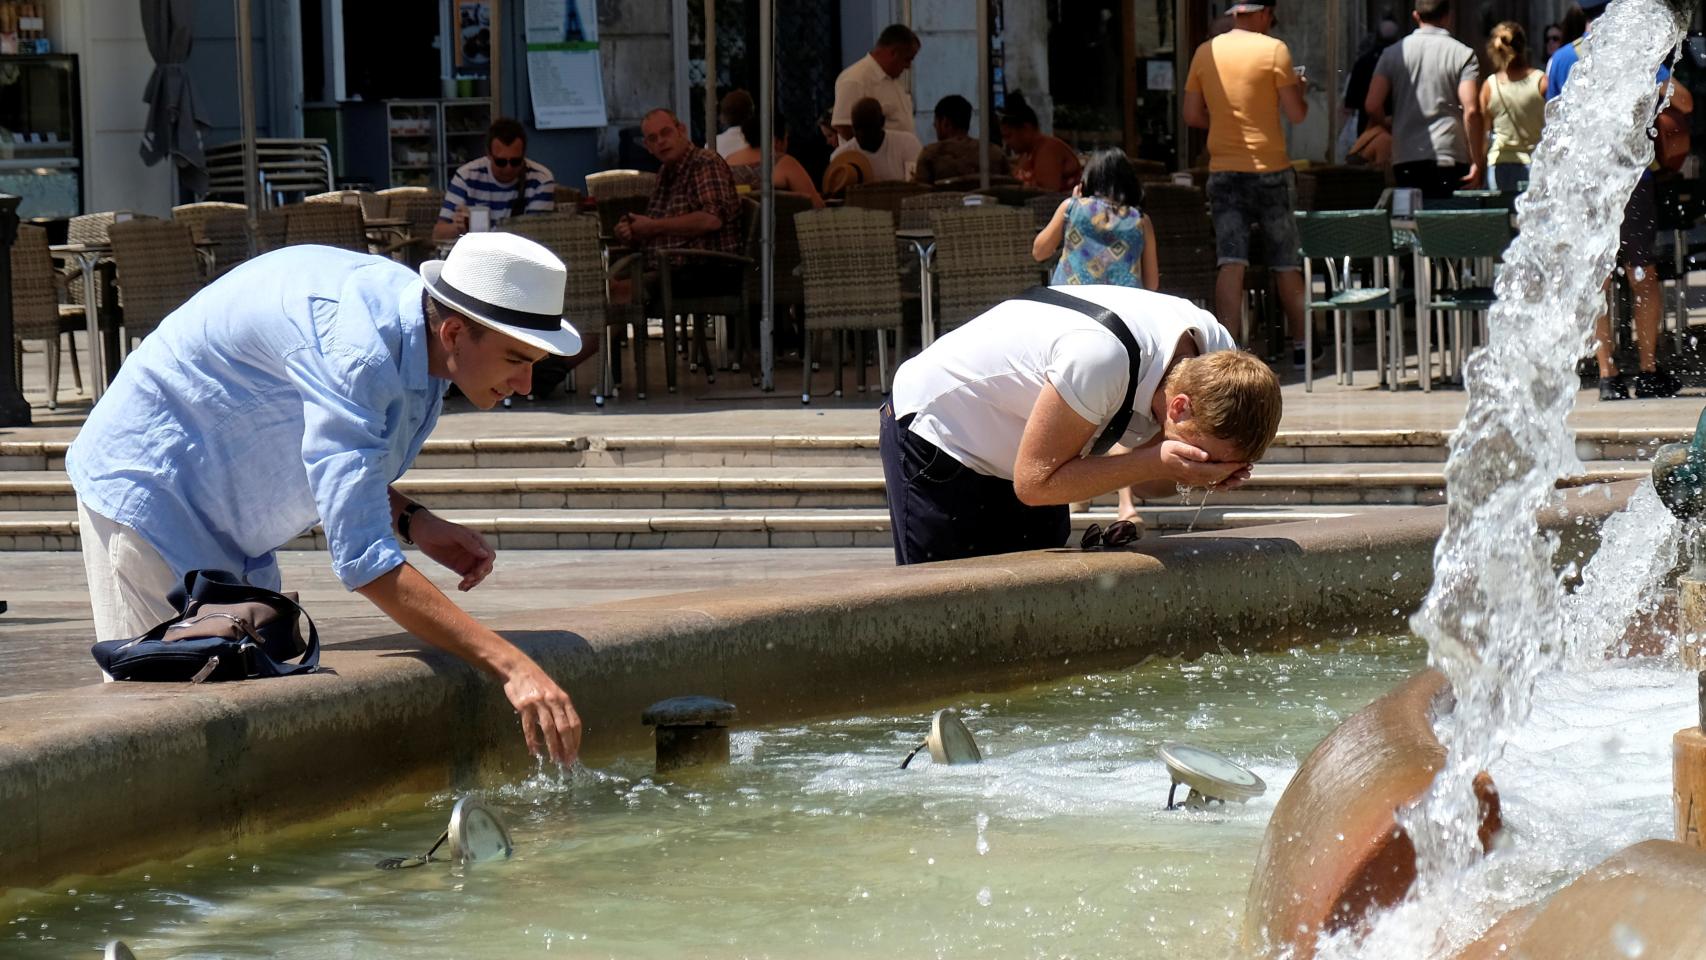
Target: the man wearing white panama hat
(295, 389)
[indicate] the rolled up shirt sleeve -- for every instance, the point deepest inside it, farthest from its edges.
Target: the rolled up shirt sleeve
(345, 404)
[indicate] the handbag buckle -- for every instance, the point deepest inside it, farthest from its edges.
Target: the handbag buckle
(206, 670)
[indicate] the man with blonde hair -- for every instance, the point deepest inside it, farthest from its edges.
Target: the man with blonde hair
(1063, 395)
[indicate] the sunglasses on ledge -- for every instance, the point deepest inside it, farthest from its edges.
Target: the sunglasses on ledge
(1118, 534)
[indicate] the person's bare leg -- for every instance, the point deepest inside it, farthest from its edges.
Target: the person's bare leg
(1229, 295)
(1649, 311)
(1290, 284)
(1602, 343)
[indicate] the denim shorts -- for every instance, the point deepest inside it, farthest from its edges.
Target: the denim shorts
(1240, 201)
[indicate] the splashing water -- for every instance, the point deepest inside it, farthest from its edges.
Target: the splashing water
(1638, 547)
(1496, 616)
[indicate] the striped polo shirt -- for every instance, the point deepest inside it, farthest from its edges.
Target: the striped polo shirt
(473, 185)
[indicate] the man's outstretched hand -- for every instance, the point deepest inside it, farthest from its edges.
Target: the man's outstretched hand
(548, 718)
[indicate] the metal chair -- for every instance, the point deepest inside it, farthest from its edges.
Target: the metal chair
(1681, 204)
(852, 282)
(1455, 252)
(37, 313)
(157, 272)
(223, 225)
(574, 239)
(983, 256)
(1342, 238)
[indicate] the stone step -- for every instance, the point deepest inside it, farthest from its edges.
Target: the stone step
(652, 452)
(814, 488)
(617, 529)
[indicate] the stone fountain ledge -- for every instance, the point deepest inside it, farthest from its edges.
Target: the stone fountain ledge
(96, 778)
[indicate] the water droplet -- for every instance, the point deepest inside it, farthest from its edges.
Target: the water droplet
(984, 898)
(1627, 941)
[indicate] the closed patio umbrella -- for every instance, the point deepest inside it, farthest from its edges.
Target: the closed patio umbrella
(174, 123)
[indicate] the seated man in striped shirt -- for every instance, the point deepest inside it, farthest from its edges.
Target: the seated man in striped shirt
(504, 182)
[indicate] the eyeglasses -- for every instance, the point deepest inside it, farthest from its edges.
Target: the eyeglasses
(508, 161)
(1118, 534)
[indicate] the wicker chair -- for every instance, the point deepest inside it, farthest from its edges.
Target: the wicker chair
(420, 207)
(157, 271)
(616, 184)
(331, 224)
(91, 228)
(271, 226)
(975, 182)
(224, 225)
(373, 206)
(884, 195)
(983, 256)
(37, 313)
(1043, 206)
(574, 239)
(567, 199)
(852, 281)
(915, 211)
(1184, 240)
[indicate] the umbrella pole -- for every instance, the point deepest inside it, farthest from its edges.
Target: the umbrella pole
(246, 100)
(985, 101)
(767, 193)
(712, 121)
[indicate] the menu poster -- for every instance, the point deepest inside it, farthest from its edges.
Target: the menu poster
(471, 53)
(564, 71)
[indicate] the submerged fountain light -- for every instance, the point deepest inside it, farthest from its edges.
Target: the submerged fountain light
(478, 833)
(949, 741)
(1211, 777)
(117, 951)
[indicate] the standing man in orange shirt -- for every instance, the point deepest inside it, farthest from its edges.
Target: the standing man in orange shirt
(1238, 85)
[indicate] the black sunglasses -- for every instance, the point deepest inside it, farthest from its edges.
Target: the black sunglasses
(1118, 534)
(508, 161)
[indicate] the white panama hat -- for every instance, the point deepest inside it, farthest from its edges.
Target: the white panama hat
(508, 283)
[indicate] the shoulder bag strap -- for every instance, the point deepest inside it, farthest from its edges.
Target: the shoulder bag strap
(1134, 354)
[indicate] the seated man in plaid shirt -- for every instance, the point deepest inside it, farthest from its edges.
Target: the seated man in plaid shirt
(694, 206)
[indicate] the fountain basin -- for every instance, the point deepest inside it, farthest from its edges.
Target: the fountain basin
(166, 770)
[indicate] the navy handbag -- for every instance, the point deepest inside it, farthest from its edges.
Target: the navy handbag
(225, 630)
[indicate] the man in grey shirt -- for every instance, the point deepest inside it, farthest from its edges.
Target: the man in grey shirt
(1438, 132)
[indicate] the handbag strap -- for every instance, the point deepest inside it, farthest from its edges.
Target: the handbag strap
(219, 586)
(1116, 427)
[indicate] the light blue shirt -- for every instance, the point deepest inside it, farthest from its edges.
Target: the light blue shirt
(293, 390)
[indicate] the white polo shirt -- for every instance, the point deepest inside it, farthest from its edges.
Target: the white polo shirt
(865, 78)
(972, 391)
(899, 151)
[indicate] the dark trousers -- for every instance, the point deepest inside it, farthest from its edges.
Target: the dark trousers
(1433, 180)
(940, 509)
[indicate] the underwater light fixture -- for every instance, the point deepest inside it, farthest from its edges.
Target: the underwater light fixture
(117, 951)
(949, 741)
(1211, 777)
(476, 832)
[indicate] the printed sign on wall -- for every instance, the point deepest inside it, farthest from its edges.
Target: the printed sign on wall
(564, 71)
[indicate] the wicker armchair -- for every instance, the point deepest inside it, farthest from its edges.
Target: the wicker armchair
(616, 184)
(91, 228)
(852, 282)
(157, 271)
(331, 224)
(574, 239)
(420, 207)
(884, 195)
(271, 227)
(983, 256)
(1043, 206)
(915, 210)
(975, 182)
(1184, 240)
(567, 199)
(37, 313)
(223, 225)
(372, 205)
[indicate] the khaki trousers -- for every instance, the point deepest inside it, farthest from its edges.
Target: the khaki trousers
(128, 579)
